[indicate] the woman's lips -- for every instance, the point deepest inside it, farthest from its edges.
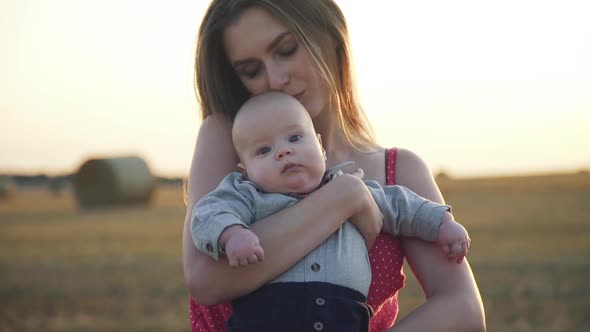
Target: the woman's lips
(299, 96)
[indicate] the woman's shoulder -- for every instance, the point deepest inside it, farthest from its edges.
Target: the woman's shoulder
(214, 157)
(408, 159)
(215, 134)
(216, 124)
(413, 172)
(214, 139)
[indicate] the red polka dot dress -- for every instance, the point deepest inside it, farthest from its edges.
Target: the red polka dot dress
(386, 258)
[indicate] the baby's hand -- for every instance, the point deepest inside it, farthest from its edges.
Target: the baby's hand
(453, 238)
(242, 246)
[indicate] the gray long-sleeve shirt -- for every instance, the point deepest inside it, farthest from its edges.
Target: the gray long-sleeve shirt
(343, 258)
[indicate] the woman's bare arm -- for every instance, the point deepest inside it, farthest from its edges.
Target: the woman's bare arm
(286, 236)
(453, 300)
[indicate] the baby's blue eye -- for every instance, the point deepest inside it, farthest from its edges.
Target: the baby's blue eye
(294, 138)
(264, 150)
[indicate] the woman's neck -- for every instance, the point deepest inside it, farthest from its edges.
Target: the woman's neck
(338, 148)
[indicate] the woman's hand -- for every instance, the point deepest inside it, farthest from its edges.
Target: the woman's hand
(367, 218)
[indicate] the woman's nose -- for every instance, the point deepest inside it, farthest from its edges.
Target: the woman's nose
(278, 76)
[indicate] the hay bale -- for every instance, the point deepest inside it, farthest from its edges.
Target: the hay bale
(113, 181)
(7, 187)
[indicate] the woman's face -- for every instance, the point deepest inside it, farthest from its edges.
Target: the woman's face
(267, 57)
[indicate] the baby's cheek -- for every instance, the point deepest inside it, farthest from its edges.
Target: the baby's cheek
(262, 179)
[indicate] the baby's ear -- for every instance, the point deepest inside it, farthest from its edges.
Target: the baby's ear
(242, 169)
(323, 150)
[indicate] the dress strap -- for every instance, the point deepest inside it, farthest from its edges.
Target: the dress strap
(390, 165)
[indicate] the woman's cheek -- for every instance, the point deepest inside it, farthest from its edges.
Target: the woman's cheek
(315, 106)
(255, 87)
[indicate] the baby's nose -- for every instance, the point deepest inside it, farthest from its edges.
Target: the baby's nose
(281, 153)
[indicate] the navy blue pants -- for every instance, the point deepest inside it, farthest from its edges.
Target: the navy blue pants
(301, 306)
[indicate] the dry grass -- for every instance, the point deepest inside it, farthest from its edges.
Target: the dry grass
(120, 269)
(531, 244)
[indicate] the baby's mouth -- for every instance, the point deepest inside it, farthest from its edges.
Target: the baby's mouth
(290, 167)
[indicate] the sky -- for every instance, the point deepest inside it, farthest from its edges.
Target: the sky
(476, 88)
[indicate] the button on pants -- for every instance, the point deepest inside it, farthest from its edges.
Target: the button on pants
(301, 306)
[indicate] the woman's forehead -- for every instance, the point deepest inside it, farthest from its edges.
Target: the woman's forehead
(252, 31)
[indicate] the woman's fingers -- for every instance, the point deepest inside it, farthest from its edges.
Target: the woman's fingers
(359, 173)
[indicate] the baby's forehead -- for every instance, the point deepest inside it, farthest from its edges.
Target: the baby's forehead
(269, 115)
(271, 108)
(270, 130)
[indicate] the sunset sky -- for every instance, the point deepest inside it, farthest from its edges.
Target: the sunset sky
(474, 87)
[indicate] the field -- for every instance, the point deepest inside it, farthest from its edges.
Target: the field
(119, 269)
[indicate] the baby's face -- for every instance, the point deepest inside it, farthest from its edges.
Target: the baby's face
(278, 147)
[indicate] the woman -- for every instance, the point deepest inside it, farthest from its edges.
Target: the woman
(247, 47)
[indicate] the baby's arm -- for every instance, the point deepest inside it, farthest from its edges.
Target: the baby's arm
(225, 211)
(408, 214)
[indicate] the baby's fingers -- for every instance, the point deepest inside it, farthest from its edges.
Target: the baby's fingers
(457, 249)
(243, 261)
(259, 252)
(233, 261)
(252, 259)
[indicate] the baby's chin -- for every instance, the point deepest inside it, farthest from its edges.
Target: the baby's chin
(299, 186)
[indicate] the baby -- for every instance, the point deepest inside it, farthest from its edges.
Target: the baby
(282, 161)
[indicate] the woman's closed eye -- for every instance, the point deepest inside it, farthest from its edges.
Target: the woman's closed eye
(288, 50)
(295, 138)
(249, 71)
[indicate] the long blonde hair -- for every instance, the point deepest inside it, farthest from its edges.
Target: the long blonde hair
(219, 90)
